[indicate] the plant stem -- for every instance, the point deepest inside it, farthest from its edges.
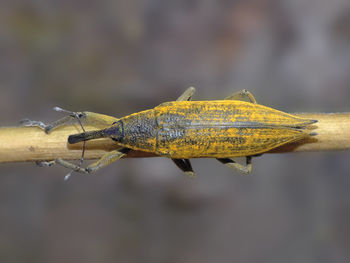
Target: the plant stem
(28, 144)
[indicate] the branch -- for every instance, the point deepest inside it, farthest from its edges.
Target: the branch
(28, 144)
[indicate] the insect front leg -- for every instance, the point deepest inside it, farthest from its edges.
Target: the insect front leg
(47, 127)
(99, 121)
(185, 166)
(245, 169)
(187, 95)
(242, 94)
(63, 121)
(105, 160)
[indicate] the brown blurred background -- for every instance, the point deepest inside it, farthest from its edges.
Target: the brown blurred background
(120, 57)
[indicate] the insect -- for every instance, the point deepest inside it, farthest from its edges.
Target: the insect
(185, 129)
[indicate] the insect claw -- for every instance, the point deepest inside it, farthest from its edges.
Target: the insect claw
(59, 109)
(68, 176)
(48, 128)
(44, 163)
(30, 123)
(246, 171)
(190, 174)
(25, 122)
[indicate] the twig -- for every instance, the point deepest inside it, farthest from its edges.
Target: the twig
(28, 144)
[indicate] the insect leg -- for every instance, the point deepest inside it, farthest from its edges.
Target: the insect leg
(242, 94)
(49, 127)
(245, 169)
(185, 166)
(98, 121)
(105, 160)
(72, 166)
(187, 95)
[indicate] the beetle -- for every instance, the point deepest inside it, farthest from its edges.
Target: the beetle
(185, 129)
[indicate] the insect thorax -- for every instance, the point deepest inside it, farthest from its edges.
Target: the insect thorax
(140, 131)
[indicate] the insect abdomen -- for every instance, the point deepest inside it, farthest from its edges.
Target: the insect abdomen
(223, 129)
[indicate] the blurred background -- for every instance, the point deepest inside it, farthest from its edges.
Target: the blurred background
(120, 57)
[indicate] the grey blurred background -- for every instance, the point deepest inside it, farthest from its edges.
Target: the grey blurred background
(120, 57)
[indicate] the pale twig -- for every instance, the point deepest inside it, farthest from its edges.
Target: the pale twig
(30, 144)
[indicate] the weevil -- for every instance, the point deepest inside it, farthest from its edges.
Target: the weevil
(185, 129)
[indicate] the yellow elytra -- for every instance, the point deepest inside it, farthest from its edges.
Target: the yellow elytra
(222, 129)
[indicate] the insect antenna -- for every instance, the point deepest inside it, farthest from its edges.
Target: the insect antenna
(77, 116)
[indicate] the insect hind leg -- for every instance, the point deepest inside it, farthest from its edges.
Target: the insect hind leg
(242, 94)
(245, 169)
